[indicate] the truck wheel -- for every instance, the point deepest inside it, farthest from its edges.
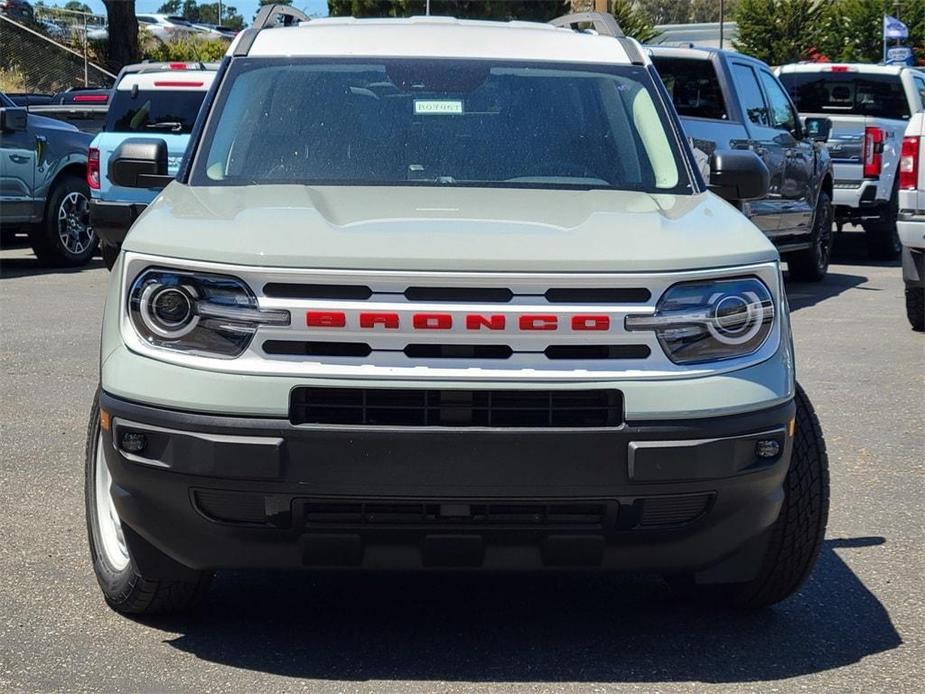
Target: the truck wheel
(811, 264)
(795, 538)
(915, 307)
(882, 235)
(110, 254)
(125, 588)
(65, 238)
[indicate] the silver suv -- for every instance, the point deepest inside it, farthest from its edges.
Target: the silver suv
(460, 302)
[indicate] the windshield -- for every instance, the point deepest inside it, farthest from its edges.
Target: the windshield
(847, 93)
(153, 111)
(439, 122)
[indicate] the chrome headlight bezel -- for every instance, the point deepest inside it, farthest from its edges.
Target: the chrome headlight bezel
(198, 313)
(712, 320)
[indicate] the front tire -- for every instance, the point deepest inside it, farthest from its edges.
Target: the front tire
(796, 537)
(915, 307)
(65, 237)
(812, 264)
(126, 588)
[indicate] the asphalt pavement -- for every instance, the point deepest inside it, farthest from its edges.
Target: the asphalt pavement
(857, 626)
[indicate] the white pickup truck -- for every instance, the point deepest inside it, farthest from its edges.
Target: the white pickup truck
(911, 222)
(870, 107)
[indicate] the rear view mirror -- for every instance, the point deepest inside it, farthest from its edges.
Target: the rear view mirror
(13, 119)
(818, 129)
(737, 175)
(140, 163)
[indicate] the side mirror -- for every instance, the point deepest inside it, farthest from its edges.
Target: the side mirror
(139, 163)
(13, 119)
(818, 129)
(738, 174)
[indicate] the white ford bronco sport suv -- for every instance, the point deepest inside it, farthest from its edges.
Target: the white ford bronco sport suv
(432, 294)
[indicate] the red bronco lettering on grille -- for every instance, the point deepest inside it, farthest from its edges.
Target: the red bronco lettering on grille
(526, 322)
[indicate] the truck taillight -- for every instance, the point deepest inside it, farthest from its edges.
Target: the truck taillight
(93, 168)
(909, 163)
(873, 152)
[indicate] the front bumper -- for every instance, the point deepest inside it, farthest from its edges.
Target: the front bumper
(112, 220)
(236, 492)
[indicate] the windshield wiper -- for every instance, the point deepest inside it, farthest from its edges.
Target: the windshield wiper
(166, 125)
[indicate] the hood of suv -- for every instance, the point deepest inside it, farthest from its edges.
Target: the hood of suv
(447, 228)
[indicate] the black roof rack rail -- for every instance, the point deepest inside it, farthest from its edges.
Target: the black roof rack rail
(278, 15)
(603, 24)
(268, 16)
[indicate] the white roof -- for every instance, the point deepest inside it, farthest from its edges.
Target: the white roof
(435, 36)
(169, 80)
(852, 67)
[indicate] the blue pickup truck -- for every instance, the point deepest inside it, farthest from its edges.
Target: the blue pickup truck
(150, 100)
(43, 188)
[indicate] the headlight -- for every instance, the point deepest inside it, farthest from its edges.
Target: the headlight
(213, 315)
(710, 320)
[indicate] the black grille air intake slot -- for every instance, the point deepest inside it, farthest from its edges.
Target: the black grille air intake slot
(425, 351)
(598, 352)
(232, 507)
(456, 408)
(454, 294)
(291, 290)
(317, 349)
(673, 510)
(618, 295)
(455, 513)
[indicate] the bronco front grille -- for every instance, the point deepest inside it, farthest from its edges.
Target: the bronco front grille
(456, 408)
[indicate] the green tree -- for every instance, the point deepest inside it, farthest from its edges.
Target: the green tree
(666, 11)
(708, 10)
(77, 6)
(170, 7)
(633, 20)
(855, 29)
(780, 31)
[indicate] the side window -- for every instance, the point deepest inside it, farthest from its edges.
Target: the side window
(693, 85)
(750, 95)
(920, 90)
(782, 115)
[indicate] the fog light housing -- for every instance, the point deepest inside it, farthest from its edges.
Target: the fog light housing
(767, 448)
(133, 442)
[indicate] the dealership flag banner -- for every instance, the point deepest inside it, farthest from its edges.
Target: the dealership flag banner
(894, 29)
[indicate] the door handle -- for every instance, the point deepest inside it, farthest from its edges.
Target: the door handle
(19, 159)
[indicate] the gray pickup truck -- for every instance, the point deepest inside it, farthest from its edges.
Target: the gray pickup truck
(729, 101)
(43, 187)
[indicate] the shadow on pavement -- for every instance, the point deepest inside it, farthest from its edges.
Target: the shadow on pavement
(19, 265)
(851, 249)
(530, 628)
(805, 294)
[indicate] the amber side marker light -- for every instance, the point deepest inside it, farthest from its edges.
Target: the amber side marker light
(105, 420)
(792, 427)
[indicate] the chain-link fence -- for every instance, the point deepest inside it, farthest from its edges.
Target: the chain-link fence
(51, 54)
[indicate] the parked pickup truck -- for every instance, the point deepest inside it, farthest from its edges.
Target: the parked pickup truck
(911, 224)
(728, 101)
(150, 100)
(43, 188)
(869, 107)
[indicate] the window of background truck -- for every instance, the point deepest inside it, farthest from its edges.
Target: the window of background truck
(756, 110)
(781, 112)
(153, 112)
(919, 84)
(693, 85)
(847, 93)
(439, 122)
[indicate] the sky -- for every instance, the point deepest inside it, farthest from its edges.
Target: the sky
(247, 8)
